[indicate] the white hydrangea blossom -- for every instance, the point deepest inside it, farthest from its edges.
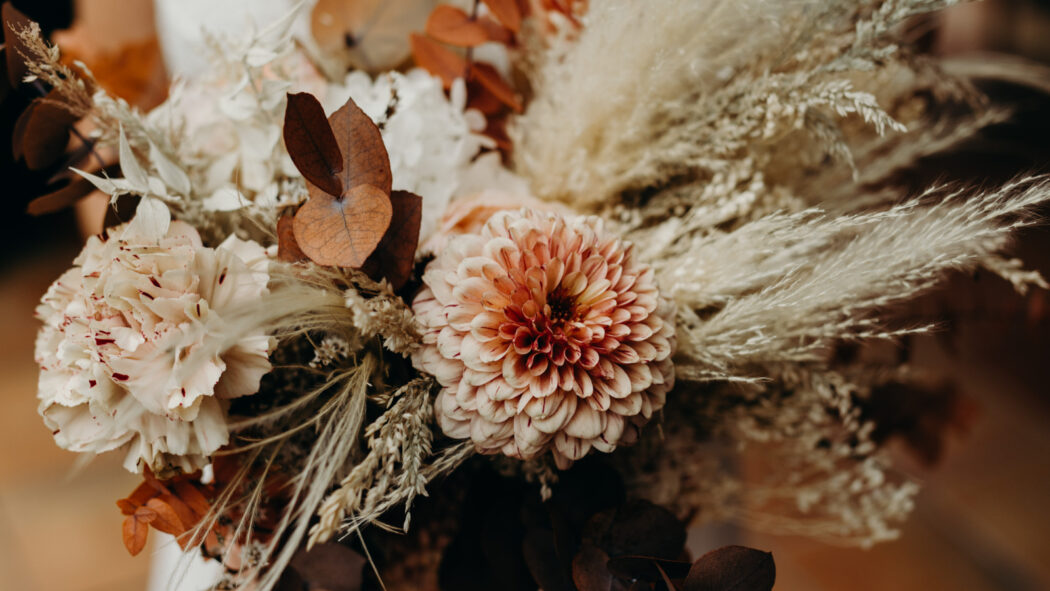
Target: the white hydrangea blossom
(119, 327)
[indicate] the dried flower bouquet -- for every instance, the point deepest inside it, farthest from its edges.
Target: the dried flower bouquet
(550, 262)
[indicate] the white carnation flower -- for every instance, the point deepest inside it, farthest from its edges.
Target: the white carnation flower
(119, 328)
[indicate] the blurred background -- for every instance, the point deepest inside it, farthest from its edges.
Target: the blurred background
(981, 521)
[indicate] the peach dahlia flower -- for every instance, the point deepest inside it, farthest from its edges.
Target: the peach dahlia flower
(545, 333)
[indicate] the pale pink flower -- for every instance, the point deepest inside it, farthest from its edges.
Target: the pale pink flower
(118, 329)
(545, 333)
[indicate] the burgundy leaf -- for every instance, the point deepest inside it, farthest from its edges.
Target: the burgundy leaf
(589, 572)
(46, 132)
(312, 144)
(396, 253)
(732, 568)
(647, 568)
(65, 192)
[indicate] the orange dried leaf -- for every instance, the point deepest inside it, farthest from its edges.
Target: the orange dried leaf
(365, 161)
(452, 25)
(167, 520)
(495, 31)
(127, 506)
(437, 59)
(136, 528)
(491, 80)
(342, 232)
(395, 256)
(182, 510)
(287, 248)
(311, 143)
(507, 11)
(187, 491)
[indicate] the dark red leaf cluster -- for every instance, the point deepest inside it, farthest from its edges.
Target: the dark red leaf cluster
(42, 131)
(587, 537)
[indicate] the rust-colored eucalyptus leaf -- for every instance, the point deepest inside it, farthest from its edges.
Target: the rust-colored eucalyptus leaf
(365, 161)
(438, 59)
(14, 21)
(167, 519)
(732, 567)
(489, 77)
(507, 11)
(450, 24)
(495, 31)
(311, 143)
(395, 256)
(287, 248)
(46, 132)
(342, 232)
(136, 528)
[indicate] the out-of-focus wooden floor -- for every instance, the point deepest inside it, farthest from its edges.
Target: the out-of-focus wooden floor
(981, 522)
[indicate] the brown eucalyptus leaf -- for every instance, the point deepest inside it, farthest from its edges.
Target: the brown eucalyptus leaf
(637, 528)
(489, 77)
(588, 569)
(438, 59)
(395, 256)
(732, 568)
(342, 232)
(167, 520)
(287, 248)
(365, 160)
(46, 132)
(15, 48)
(450, 24)
(311, 143)
(647, 568)
(543, 562)
(19, 131)
(65, 192)
(507, 11)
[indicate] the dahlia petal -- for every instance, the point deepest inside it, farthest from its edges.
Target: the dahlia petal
(571, 447)
(586, 423)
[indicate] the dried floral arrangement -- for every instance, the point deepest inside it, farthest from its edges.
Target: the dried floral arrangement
(502, 301)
